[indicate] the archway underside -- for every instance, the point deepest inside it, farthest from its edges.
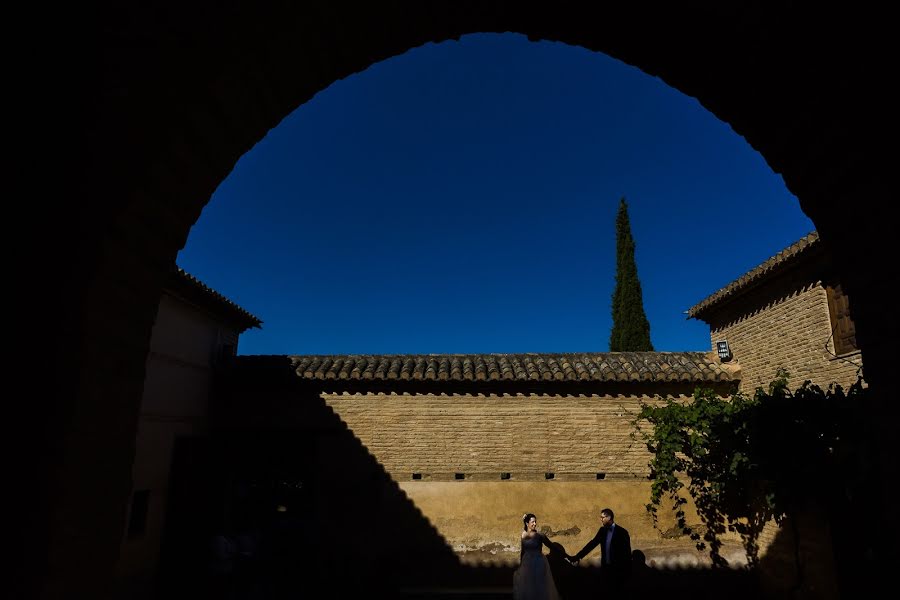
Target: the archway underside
(179, 96)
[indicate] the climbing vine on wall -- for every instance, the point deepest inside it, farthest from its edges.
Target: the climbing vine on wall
(749, 459)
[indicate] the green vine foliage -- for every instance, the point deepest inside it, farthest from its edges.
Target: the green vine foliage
(748, 459)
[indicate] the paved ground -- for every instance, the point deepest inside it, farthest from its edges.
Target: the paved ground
(457, 594)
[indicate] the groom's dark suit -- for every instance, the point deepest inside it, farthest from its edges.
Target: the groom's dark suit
(615, 563)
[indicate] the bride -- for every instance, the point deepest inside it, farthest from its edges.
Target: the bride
(533, 579)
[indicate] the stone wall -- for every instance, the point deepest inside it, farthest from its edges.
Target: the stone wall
(484, 435)
(785, 323)
(475, 463)
(430, 467)
(175, 404)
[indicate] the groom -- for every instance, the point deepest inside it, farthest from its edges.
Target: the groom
(615, 551)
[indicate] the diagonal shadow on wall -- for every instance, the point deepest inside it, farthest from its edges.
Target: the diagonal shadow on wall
(282, 500)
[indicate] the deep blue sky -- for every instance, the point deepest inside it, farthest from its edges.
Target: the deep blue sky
(462, 198)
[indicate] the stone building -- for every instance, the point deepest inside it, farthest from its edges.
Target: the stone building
(797, 84)
(790, 312)
(196, 332)
(448, 451)
(461, 445)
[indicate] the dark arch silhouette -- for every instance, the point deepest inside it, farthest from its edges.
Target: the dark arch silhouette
(164, 101)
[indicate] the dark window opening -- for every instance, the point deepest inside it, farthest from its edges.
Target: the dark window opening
(601, 475)
(417, 476)
(137, 518)
(459, 476)
(842, 327)
(504, 475)
(549, 475)
(227, 352)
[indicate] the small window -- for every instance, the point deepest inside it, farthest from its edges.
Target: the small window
(601, 475)
(227, 352)
(842, 327)
(417, 476)
(505, 476)
(549, 475)
(137, 518)
(459, 476)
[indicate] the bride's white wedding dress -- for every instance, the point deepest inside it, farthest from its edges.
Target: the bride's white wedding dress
(533, 579)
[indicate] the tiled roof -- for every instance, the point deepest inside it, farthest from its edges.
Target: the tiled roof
(591, 367)
(199, 292)
(787, 256)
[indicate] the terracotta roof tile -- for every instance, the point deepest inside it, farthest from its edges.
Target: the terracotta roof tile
(583, 367)
(783, 258)
(182, 282)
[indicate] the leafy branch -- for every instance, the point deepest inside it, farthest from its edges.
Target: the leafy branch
(747, 459)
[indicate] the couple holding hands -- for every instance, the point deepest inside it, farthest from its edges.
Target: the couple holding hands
(533, 580)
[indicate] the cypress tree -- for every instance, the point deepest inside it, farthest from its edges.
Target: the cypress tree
(630, 329)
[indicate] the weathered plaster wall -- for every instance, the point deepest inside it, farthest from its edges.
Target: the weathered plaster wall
(440, 437)
(175, 403)
(482, 521)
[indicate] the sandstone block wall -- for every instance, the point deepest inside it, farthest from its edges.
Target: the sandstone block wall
(475, 463)
(794, 332)
(481, 436)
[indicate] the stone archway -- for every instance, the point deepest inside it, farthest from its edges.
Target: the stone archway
(178, 95)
